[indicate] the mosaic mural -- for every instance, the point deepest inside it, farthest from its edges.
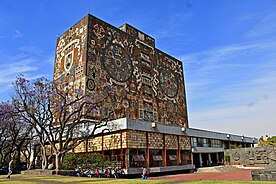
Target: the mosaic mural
(259, 156)
(71, 56)
(148, 83)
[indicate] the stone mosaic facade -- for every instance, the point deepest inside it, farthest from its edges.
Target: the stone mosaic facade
(156, 140)
(184, 143)
(137, 139)
(148, 83)
(70, 57)
(122, 70)
(134, 139)
(259, 156)
(171, 141)
(110, 142)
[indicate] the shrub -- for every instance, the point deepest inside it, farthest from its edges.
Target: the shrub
(85, 160)
(227, 158)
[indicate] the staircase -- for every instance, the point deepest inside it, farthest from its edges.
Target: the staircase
(217, 169)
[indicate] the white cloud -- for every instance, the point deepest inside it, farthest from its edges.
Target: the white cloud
(31, 65)
(232, 88)
(21, 64)
(17, 34)
(256, 121)
(263, 26)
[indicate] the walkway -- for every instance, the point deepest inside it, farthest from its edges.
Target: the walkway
(236, 175)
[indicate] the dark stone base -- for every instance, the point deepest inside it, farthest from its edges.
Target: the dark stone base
(264, 175)
(160, 169)
(50, 172)
(39, 172)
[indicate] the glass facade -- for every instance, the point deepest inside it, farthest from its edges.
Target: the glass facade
(205, 142)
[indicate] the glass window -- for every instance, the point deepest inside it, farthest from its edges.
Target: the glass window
(137, 157)
(172, 159)
(186, 158)
(156, 158)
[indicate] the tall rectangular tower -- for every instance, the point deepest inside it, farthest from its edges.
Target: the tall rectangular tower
(129, 78)
(148, 83)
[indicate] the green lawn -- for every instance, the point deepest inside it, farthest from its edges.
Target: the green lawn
(26, 179)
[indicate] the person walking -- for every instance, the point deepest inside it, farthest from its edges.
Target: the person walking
(79, 171)
(10, 169)
(145, 173)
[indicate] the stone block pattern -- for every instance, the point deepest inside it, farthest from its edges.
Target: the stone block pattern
(81, 148)
(112, 141)
(264, 175)
(137, 139)
(171, 142)
(258, 156)
(155, 140)
(184, 142)
(95, 144)
(138, 34)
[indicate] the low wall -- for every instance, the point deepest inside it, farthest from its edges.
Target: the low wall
(258, 156)
(50, 172)
(264, 175)
(39, 172)
(160, 169)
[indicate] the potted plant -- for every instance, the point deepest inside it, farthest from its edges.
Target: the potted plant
(227, 159)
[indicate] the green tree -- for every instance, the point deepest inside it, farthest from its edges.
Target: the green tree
(270, 141)
(85, 160)
(69, 161)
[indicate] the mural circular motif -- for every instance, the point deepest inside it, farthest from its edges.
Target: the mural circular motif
(90, 84)
(117, 63)
(236, 156)
(168, 82)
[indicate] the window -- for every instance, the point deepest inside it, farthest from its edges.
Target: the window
(186, 158)
(156, 158)
(137, 157)
(172, 159)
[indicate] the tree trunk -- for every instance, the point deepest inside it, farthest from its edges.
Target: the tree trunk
(59, 158)
(44, 158)
(17, 161)
(1, 159)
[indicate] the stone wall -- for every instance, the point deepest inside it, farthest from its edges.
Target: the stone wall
(155, 140)
(39, 172)
(111, 141)
(259, 156)
(264, 175)
(171, 142)
(137, 139)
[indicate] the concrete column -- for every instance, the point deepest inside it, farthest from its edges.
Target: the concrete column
(217, 157)
(127, 158)
(209, 159)
(200, 160)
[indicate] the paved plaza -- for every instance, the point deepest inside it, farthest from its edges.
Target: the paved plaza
(236, 175)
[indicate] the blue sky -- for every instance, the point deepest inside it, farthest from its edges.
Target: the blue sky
(228, 49)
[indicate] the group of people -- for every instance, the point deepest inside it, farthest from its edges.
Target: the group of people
(101, 173)
(107, 173)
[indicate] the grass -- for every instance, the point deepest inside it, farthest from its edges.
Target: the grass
(37, 179)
